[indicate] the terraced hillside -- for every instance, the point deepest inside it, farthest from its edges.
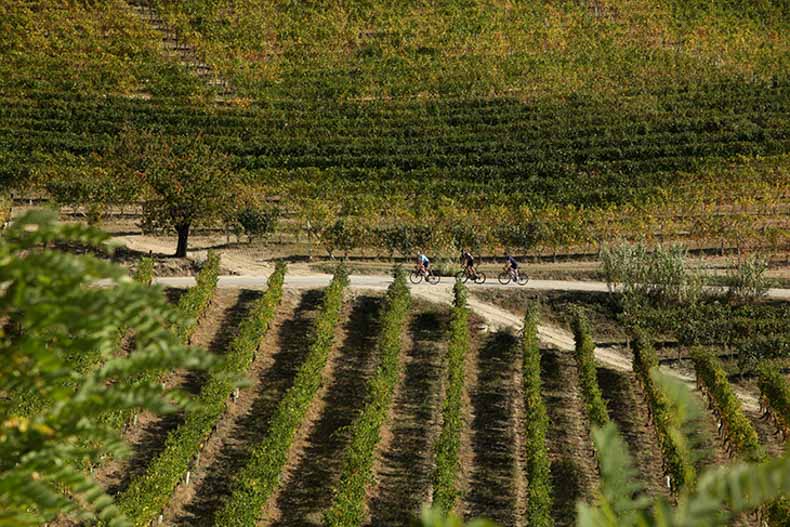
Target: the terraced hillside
(576, 121)
(375, 49)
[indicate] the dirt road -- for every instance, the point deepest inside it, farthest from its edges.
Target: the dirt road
(494, 317)
(380, 282)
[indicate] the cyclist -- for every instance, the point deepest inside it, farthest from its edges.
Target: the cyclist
(511, 266)
(468, 261)
(423, 264)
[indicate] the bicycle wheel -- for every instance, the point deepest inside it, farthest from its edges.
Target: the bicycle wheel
(432, 279)
(523, 279)
(415, 277)
(462, 276)
(481, 278)
(504, 278)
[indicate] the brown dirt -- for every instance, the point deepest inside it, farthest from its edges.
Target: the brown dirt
(405, 464)
(246, 422)
(147, 438)
(492, 492)
(308, 481)
(627, 408)
(574, 470)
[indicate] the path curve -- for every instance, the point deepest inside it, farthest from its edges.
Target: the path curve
(494, 317)
(307, 281)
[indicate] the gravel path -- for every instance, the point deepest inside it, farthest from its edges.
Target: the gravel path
(496, 318)
(378, 282)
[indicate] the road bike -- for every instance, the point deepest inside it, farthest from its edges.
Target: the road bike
(470, 273)
(419, 274)
(509, 275)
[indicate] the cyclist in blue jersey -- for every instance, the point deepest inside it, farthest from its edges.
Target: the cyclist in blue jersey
(423, 264)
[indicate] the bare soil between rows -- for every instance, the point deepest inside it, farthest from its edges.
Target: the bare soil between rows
(308, 481)
(493, 479)
(574, 471)
(405, 465)
(147, 438)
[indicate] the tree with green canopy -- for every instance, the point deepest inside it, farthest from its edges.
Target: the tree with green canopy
(183, 181)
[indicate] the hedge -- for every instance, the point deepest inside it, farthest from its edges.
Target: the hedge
(194, 302)
(539, 487)
(149, 492)
(588, 375)
(740, 435)
(775, 395)
(260, 477)
(445, 491)
(349, 495)
(678, 461)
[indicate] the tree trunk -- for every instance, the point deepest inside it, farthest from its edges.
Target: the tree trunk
(183, 236)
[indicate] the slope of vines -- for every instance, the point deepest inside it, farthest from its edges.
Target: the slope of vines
(256, 482)
(350, 493)
(148, 493)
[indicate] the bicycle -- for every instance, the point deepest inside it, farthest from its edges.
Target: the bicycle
(418, 274)
(509, 275)
(469, 273)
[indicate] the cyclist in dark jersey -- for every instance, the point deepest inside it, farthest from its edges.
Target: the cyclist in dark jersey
(468, 261)
(512, 266)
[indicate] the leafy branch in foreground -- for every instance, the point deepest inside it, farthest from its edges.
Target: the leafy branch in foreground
(52, 311)
(721, 493)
